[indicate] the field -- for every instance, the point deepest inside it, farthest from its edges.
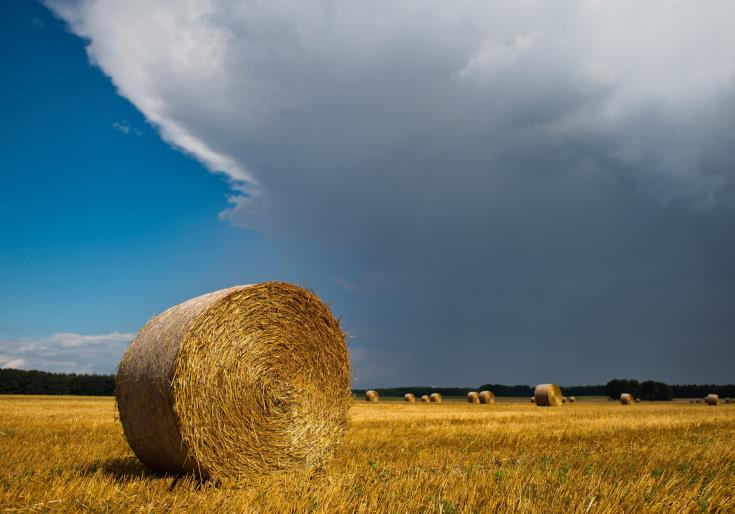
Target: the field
(69, 454)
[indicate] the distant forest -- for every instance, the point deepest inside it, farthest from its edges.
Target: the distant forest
(14, 381)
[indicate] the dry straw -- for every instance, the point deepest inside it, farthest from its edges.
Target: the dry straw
(408, 397)
(487, 397)
(473, 397)
(237, 382)
(435, 398)
(547, 395)
(712, 399)
(626, 398)
(372, 396)
(425, 398)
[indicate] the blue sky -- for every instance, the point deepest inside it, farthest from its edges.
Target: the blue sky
(483, 193)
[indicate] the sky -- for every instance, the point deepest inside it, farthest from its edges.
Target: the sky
(518, 192)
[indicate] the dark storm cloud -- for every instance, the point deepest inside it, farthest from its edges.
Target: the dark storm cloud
(503, 193)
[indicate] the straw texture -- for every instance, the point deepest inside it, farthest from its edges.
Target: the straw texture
(547, 395)
(473, 397)
(435, 398)
(237, 382)
(487, 397)
(372, 396)
(626, 399)
(712, 399)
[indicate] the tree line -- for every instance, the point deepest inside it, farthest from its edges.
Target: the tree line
(15, 381)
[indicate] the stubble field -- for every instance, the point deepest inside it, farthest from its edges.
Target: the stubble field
(69, 454)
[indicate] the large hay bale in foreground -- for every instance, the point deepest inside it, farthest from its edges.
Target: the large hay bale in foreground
(487, 397)
(626, 399)
(372, 396)
(473, 397)
(435, 398)
(712, 399)
(409, 397)
(547, 395)
(237, 382)
(425, 398)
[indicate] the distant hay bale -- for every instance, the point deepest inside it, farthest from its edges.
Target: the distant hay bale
(547, 395)
(435, 398)
(697, 401)
(712, 399)
(235, 383)
(487, 397)
(425, 398)
(626, 399)
(564, 399)
(533, 399)
(473, 397)
(638, 400)
(572, 399)
(408, 397)
(372, 396)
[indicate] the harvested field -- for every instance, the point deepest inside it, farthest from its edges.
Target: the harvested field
(69, 454)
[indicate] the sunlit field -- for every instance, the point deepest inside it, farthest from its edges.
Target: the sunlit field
(69, 454)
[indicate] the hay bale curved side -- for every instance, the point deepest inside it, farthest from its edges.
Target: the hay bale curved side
(547, 395)
(626, 399)
(712, 399)
(425, 398)
(409, 397)
(487, 397)
(435, 398)
(237, 382)
(473, 397)
(372, 396)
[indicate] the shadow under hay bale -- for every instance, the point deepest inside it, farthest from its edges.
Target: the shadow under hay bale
(372, 396)
(487, 397)
(547, 395)
(235, 383)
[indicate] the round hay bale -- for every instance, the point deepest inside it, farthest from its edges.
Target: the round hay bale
(626, 399)
(237, 382)
(473, 397)
(533, 399)
(712, 399)
(408, 397)
(572, 399)
(425, 398)
(638, 400)
(548, 395)
(435, 398)
(372, 396)
(487, 397)
(564, 399)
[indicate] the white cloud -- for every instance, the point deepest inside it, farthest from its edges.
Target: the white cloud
(66, 352)
(10, 363)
